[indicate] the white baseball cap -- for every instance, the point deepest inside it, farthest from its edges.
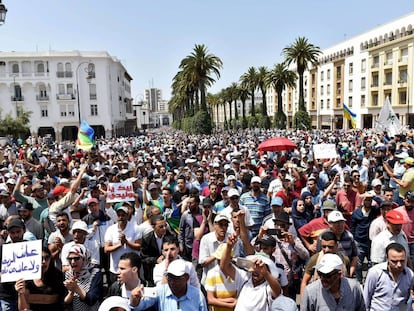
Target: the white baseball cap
(329, 263)
(256, 179)
(335, 216)
(233, 192)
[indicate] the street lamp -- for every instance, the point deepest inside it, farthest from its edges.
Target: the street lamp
(91, 74)
(3, 11)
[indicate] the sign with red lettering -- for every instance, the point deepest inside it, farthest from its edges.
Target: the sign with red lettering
(120, 192)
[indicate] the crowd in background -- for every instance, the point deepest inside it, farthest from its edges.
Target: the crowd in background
(213, 223)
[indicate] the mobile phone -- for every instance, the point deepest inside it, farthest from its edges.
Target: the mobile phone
(150, 292)
(244, 263)
(276, 232)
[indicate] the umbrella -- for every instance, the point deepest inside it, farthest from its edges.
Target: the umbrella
(277, 144)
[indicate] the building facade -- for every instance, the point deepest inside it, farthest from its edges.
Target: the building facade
(63, 88)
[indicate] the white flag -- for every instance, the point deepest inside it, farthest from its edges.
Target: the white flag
(388, 120)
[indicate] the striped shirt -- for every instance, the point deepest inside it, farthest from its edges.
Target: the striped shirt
(258, 207)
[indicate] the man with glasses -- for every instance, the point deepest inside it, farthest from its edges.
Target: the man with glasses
(388, 284)
(332, 291)
(357, 184)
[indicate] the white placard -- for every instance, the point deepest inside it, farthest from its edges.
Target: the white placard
(324, 151)
(22, 260)
(120, 192)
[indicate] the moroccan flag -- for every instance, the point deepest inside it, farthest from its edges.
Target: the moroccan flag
(85, 139)
(349, 115)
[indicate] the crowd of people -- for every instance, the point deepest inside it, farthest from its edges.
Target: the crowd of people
(213, 223)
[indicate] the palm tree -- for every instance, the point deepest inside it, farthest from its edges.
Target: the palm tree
(214, 102)
(249, 80)
(301, 52)
(199, 67)
(263, 83)
(243, 93)
(280, 77)
(233, 88)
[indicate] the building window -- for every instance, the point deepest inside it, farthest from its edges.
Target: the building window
(94, 110)
(351, 68)
(60, 71)
(363, 83)
(388, 78)
(71, 110)
(350, 101)
(338, 103)
(362, 100)
(321, 89)
(62, 109)
(321, 103)
(403, 97)
(363, 65)
(375, 62)
(69, 88)
(351, 85)
(404, 54)
(43, 111)
(403, 75)
(92, 91)
(388, 58)
(321, 75)
(68, 70)
(328, 74)
(15, 68)
(328, 104)
(61, 89)
(374, 81)
(374, 99)
(338, 72)
(328, 89)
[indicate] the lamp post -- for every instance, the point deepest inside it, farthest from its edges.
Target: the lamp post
(3, 11)
(90, 73)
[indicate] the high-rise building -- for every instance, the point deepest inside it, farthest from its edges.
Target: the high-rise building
(153, 97)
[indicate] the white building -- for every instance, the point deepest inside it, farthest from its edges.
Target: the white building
(62, 88)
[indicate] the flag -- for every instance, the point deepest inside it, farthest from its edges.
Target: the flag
(85, 139)
(388, 120)
(349, 115)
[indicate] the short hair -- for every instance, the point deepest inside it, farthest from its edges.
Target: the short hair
(134, 259)
(329, 236)
(155, 218)
(62, 214)
(348, 179)
(148, 211)
(388, 189)
(354, 171)
(170, 239)
(166, 189)
(196, 198)
(395, 247)
(181, 177)
(194, 192)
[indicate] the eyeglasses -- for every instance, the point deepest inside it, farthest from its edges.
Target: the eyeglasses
(327, 275)
(73, 259)
(357, 176)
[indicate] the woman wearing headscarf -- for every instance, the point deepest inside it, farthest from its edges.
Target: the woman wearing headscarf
(84, 283)
(302, 210)
(46, 293)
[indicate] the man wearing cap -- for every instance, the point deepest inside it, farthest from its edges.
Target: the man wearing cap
(332, 291)
(80, 232)
(257, 290)
(406, 183)
(234, 205)
(257, 203)
(407, 210)
(346, 243)
(7, 206)
(210, 242)
(123, 236)
(378, 224)
(221, 205)
(26, 214)
(310, 232)
(8, 294)
(393, 233)
(388, 284)
(177, 294)
(38, 198)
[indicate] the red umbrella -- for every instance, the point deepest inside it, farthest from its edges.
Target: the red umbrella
(277, 144)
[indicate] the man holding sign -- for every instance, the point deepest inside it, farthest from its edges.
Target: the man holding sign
(17, 261)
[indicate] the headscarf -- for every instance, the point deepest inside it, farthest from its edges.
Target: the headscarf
(81, 251)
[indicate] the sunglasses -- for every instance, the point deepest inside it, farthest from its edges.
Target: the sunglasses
(327, 275)
(73, 259)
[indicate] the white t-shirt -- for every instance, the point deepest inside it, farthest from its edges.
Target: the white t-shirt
(132, 233)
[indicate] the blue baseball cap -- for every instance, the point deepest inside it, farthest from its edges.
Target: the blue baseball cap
(277, 201)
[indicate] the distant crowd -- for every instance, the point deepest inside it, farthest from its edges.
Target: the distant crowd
(211, 222)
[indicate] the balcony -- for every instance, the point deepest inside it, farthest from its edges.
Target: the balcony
(92, 96)
(64, 74)
(17, 98)
(42, 97)
(65, 96)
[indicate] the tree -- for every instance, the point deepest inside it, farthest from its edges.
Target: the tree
(263, 83)
(199, 67)
(233, 89)
(301, 52)
(249, 80)
(243, 93)
(213, 101)
(280, 77)
(19, 126)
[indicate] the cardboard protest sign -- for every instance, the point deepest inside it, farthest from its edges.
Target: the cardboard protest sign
(324, 151)
(120, 192)
(22, 260)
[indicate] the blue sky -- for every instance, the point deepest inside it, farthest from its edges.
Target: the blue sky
(151, 37)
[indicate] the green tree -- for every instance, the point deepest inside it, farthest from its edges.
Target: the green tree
(199, 67)
(301, 52)
(281, 77)
(249, 80)
(243, 93)
(19, 126)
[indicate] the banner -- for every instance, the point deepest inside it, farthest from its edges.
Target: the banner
(120, 192)
(22, 260)
(324, 151)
